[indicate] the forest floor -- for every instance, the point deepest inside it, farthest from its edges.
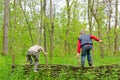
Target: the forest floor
(63, 68)
(112, 71)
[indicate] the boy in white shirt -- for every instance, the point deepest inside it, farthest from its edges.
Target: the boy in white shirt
(34, 52)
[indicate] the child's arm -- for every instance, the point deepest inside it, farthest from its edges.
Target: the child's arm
(95, 38)
(42, 49)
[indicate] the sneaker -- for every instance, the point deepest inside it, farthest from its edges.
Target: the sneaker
(90, 64)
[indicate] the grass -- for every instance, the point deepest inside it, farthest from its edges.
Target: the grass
(4, 67)
(68, 59)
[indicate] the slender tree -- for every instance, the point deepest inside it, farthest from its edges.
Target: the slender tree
(28, 25)
(66, 44)
(99, 22)
(115, 29)
(44, 25)
(41, 23)
(90, 16)
(74, 10)
(52, 31)
(109, 24)
(5, 27)
(12, 36)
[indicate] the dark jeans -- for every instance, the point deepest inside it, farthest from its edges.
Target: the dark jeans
(86, 51)
(29, 57)
(35, 56)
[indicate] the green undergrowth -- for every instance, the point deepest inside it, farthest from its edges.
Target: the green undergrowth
(18, 74)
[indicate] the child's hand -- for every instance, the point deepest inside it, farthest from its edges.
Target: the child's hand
(45, 53)
(78, 55)
(100, 41)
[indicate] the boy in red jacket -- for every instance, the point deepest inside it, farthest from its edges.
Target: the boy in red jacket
(85, 43)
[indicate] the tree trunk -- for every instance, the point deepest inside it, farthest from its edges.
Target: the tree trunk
(27, 23)
(12, 36)
(100, 36)
(89, 16)
(6, 24)
(109, 24)
(51, 32)
(115, 30)
(41, 23)
(67, 45)
(99, 29)
(74, 10)
(44, 15)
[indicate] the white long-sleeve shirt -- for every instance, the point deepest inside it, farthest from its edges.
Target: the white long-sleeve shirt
(36, 48)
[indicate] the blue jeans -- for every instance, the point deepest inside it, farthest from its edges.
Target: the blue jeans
(86, 51)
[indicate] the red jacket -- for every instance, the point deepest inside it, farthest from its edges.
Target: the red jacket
(92, 37)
